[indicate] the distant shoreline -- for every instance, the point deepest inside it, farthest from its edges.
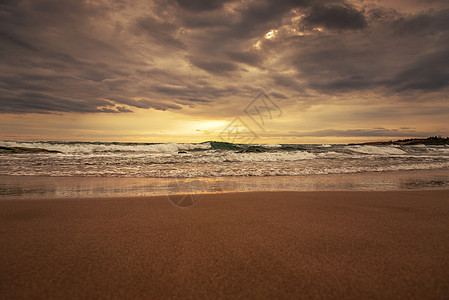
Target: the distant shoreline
(433, 140)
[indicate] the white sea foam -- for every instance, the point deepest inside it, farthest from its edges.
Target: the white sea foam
(269, 146)
(108, 147)
(163, 160)
(270, 156)
(376, 149)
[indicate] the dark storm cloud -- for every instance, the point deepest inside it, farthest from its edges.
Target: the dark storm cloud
(288, 82)
(256, 18)
(430, 72)
(385, 56)
(206, 21)
(427, 23)
(336, 17)
(213, 66)
(33, 102)
(225, 31)
(9, 38)
(201, 5)
(118, 56)
(196, 93)
(159, 31)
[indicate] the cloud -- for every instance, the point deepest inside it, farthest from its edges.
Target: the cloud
(375, 132)
(217, 67)
(201, 5)
(159, 31)
(379, 57)
(424, 23)
(336, 17)
(430, 72)
(251, 58)
(33, 102)
(119, 56)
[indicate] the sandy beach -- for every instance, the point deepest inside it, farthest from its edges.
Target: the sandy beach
(351, 245)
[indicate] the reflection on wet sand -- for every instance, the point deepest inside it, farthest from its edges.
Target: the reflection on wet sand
(68, 187)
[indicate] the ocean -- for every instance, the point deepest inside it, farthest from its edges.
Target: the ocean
(84, 169)
(214, 159)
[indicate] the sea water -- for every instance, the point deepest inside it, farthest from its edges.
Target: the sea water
(156, 168)
(210, 160)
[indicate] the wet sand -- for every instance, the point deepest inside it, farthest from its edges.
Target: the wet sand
(352, 245)
(47, 187)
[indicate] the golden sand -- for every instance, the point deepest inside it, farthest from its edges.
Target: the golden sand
(353, 245)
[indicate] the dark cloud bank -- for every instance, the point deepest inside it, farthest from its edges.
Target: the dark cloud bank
(116, 56)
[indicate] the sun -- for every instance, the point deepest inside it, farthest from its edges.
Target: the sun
(213, 125)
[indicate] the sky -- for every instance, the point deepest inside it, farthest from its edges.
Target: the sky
(292, 71)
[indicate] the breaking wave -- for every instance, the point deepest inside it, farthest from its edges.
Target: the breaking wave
(213, 159)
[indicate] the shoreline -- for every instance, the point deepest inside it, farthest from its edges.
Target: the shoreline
(25, 187)
(302, 245)
(214, 194)
(242, 176)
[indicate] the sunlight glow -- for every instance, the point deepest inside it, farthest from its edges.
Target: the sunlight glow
(271, 34)
(211, 125)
